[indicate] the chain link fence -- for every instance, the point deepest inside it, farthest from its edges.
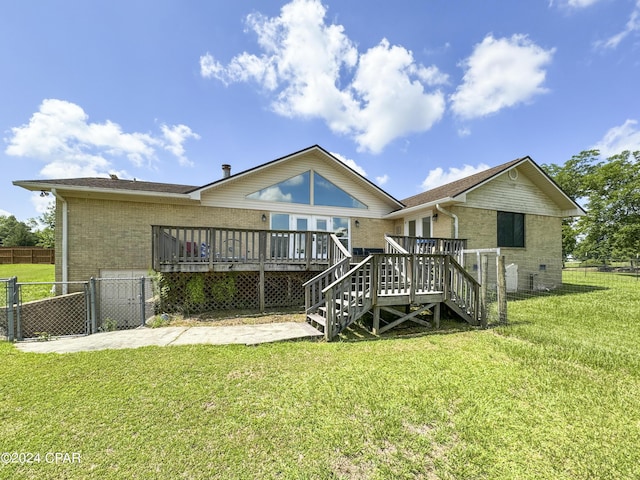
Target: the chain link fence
(531, 277)
(44, 310)
(6, 291)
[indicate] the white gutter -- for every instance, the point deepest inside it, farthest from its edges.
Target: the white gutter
(65, 241)
(452, 215)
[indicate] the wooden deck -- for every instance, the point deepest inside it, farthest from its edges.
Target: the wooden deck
(413, 276)
(212, 249)
(405, 285)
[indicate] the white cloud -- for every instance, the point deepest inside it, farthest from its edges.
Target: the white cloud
(438, 176)
(500, 73)
(382, 179)
(4, 213)
(632, 26)
(311, 69)
(350, 163)
(464, 132)
(271, 194)
(60, 135)
(41, 204)
(175, 136)
(621, 138)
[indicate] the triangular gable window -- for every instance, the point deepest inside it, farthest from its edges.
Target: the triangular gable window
(293, 190)
(326, 193)
(298, 190)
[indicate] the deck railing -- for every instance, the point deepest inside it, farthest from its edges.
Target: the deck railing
(450, 246)
(349, 297)
(211, 245)
(340, 259)
(397, 274)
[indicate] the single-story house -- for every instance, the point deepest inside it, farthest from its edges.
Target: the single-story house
(112, 226)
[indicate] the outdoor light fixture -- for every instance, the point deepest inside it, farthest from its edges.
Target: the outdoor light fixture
(435, 218)
(44, 194)
(264, 217)
(357, 223)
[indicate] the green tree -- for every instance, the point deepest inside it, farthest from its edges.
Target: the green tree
(612, 227)
(571, 177)
(44, 227)
(14, 233)
(610, 190)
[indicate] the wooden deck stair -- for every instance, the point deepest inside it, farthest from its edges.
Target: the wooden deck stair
(387, 282)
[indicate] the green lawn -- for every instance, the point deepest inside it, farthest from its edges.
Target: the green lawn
(29, 273)
(553, 395)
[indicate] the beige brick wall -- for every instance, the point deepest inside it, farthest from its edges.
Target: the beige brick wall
(117, 234)
(371, 232)
(540, 261)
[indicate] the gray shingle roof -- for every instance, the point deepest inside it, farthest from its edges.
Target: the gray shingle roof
(459, 186)
(115, 184)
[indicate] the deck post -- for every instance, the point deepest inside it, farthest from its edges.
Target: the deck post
(411, 268)
(447, 278)
(376, 319)
(262, 248)
(502, 290)
(331, 314)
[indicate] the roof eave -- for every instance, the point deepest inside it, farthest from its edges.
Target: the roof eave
(47, 187)
(423, 206)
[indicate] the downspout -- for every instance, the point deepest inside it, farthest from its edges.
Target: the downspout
(452, 215)
(65, 241)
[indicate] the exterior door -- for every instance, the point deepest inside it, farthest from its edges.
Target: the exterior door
(120, 298)
(298, 241)
(321, 242)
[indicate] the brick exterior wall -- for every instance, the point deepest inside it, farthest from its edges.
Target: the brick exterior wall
(539, 262)
(117, 234)
(370, 233)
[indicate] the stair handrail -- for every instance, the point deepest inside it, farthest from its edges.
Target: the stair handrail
(339, 260)
(391, 245)
(462, 289)
(354, 291)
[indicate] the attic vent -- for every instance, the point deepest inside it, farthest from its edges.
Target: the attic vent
(226, 170)
(513, 174)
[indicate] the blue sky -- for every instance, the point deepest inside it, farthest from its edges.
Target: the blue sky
(412, 94)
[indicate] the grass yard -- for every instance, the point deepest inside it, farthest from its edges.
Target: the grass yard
(27, 273)
(553, 395)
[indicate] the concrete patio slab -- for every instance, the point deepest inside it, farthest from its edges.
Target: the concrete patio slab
(165, 336)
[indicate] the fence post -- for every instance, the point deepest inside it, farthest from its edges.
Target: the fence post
(142, 302)
(11, 295)
(92, 305)
(502, 290)
(16, 301)
(484, 279)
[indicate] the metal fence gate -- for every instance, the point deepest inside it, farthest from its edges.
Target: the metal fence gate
(43, 310)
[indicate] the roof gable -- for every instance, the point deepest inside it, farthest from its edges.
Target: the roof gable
(459, 187)
(456, 191)
(314, 150)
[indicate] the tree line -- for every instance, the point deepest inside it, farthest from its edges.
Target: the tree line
(609, 191)
(36, 232)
